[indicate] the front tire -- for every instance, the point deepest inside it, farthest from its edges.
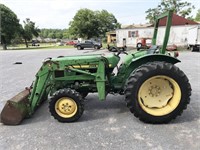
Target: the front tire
(157, 92)
(84, 94)
(66, 105)
(79, 47)
(139, 46)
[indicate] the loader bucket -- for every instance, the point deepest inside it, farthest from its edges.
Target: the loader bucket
(16, 109)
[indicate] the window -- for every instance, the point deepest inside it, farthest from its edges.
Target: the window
(88, 42)
(133, 34)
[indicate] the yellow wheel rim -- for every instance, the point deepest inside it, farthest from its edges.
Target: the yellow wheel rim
(66, 107)
(159, 95)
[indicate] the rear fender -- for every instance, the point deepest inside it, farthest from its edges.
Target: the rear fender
(127, 69)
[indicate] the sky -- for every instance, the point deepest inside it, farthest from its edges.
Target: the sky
(58, 13)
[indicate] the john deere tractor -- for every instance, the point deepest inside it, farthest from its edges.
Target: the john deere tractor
(155, 90)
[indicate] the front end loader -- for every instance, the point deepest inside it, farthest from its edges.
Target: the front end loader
(156, 91)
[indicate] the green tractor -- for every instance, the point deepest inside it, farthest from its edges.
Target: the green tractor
(155, 90)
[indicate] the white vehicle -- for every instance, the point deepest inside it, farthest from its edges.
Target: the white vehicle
(194, 38)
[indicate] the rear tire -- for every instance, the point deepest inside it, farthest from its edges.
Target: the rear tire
(192, 48)
(157, 92)
(66, 105)
(96, 47)
(195, 49)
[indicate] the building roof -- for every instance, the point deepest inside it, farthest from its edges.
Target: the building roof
(177, 20)
(132, 26)
(111, 32)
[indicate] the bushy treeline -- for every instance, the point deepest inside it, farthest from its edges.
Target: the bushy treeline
(55, 33)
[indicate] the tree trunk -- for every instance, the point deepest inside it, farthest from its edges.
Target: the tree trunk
(26, 43)
(4, 46)
(3, 42)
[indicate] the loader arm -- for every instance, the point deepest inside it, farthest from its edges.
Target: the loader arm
(40, 90)
(42, 85)
(23, 105)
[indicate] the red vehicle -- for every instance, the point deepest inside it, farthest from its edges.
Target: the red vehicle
(171, 47)
(144, 43)
(71, 42)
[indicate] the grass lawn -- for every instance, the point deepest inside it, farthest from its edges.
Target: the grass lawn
(42, 46)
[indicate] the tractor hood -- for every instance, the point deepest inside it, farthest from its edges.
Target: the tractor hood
(111, 59)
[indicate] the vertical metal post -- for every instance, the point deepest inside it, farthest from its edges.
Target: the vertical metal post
(167, 31)
(100, 80)
(155, 32)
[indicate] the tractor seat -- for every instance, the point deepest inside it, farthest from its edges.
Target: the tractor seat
(153, 49)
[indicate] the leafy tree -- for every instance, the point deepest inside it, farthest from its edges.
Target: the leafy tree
(52, 33)
(66, 34)
(88, 24)
(44, 33)
(84, 24)
(107, 22)
(197, 18)
(29, 30)
(59, 35)
(9, 25)
(179, 7)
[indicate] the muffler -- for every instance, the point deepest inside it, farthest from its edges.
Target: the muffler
(16, 109)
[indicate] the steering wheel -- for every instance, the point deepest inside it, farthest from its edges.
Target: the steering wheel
(121, 50)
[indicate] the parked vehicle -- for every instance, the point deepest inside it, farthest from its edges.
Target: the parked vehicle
(172, 47)
(88, 44)
(194, 38)
(145, 43)
(71, 42)
(35, 43)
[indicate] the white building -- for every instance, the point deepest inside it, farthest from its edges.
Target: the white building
(178, 32)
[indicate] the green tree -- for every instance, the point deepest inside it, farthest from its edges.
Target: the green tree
(66, 34)
(44, 33)
(88, 24)
(179, 7)
(29, 30)
(197, 18)
(106, 22)
(9, 25)
(52, 33)
(83, 24)
(59, 35)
